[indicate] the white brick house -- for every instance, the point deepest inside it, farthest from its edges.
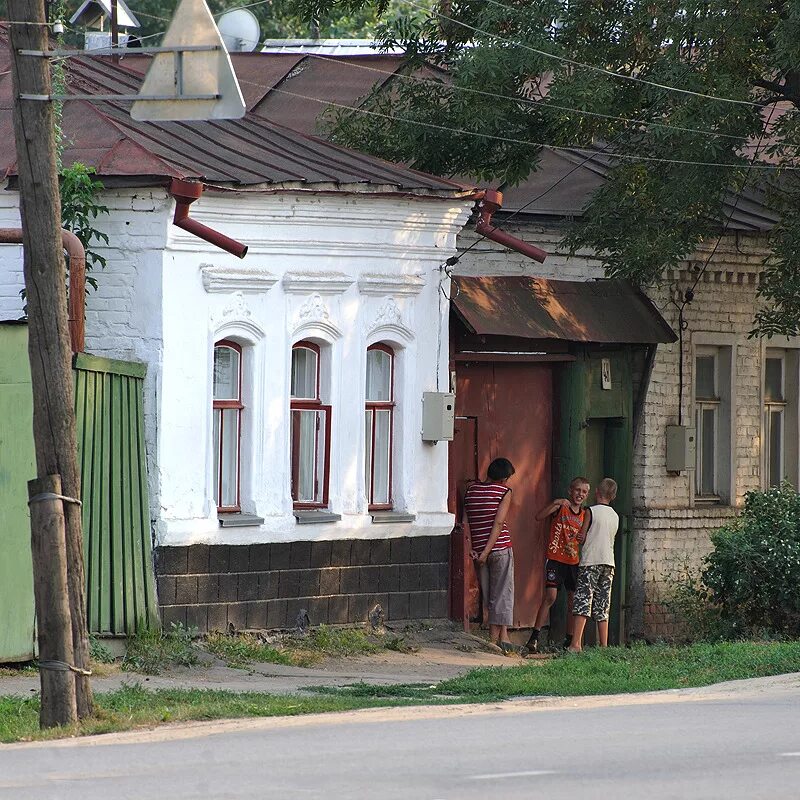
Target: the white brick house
(283, 397)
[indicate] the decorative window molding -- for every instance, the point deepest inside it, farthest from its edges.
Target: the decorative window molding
(388, 323)
(317, 282)
(230, 279)
(313, 318)
(382, 283)
(237, 317)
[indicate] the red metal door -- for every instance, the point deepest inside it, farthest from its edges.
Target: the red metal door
(512, 406)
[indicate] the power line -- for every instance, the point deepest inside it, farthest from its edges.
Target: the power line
(541, 104)
(592, 67)
(507, 139)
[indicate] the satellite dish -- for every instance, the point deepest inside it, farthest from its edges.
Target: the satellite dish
(240, 30)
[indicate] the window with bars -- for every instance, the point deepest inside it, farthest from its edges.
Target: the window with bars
(310, 430)
(227, 412)
(379, 426)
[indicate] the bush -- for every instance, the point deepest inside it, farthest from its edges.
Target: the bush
(752, 577)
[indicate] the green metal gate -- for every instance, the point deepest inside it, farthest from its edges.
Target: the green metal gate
(17, 466)
(116, 515)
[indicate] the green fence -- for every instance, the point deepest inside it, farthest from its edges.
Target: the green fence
(116, 514)
(17, 466)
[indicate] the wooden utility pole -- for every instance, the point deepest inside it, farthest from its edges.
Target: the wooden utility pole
(49, 552)
(54, 433)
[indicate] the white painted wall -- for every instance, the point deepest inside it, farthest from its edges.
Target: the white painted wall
(344, 271)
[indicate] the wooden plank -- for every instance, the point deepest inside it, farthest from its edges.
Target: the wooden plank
(138, 610)
(127, 532)
(114, 491)
(89, 363)
(105, 520)
(152, 617)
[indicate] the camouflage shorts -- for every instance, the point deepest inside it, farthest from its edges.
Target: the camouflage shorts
(593, 592)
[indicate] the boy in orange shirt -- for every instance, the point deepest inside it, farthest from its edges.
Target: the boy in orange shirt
(561, 567)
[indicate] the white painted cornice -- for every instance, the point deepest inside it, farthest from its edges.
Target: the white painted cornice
(320, 282)
(236, 279)
(383, 283)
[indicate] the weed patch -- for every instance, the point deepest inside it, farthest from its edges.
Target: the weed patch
(300, 650)
(152, 651)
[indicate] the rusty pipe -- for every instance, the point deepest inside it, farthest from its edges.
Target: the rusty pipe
(184, 194)
(77, 281)
(492, 201)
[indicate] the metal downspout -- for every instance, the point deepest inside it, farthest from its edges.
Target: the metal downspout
(184, 194)
(77, 280)
(492, 201)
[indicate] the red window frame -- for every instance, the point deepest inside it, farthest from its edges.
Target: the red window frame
(311, 404)
(219, 406)
(383, 405)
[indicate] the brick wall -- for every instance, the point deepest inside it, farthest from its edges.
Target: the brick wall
(265, 585)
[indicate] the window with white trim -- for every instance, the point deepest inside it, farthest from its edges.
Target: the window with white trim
(227, 412)
(712, 399)
(780, 417)
(379, 426)
(310, 429)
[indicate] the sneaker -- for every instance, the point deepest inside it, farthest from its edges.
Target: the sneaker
(531, 648)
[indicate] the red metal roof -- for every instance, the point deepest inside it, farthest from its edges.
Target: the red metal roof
(346, 80)
(605, 312)
(252, 151)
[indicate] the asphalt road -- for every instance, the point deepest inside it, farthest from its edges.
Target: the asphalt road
(729, 747)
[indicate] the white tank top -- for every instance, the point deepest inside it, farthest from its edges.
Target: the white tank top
(599, 545)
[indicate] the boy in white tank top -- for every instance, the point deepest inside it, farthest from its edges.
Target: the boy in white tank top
(596, 568)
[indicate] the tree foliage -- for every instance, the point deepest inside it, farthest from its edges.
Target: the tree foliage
(603, 75)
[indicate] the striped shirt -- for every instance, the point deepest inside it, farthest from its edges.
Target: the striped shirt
(481, 503)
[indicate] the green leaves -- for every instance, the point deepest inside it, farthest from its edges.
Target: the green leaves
(753, 573)
(80, 209)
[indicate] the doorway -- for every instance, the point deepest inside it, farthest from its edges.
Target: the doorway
(504, 409)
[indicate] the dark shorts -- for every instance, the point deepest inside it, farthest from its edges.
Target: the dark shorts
(556, 574)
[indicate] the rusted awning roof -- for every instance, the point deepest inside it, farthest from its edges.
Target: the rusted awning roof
(606, 312)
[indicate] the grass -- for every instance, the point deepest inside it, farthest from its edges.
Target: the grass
(134, 707)
(152, 651)
(615, 670)
(242, 650)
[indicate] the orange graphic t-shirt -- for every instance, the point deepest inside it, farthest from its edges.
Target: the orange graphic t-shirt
(564, 530)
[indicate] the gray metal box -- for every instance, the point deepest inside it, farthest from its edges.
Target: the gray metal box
(438, 416)
(680, 448)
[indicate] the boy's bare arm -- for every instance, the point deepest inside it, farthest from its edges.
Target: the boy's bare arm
(551, 508)
(587, 521)
(499, 519)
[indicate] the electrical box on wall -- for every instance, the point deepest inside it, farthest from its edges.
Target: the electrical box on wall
(680, 448)
(438, 416)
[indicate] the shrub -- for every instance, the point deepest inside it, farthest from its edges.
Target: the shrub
(752, 576)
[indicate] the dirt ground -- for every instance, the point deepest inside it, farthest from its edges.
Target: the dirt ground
(431, 653)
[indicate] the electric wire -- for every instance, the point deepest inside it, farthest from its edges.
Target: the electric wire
(591, 67)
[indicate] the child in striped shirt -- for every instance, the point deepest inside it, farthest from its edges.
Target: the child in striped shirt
(486, 506)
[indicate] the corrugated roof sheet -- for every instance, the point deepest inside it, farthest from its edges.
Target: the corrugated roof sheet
(252, 151)
(348, 79)
(604, 312)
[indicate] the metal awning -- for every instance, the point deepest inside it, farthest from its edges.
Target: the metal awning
(604, 312)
